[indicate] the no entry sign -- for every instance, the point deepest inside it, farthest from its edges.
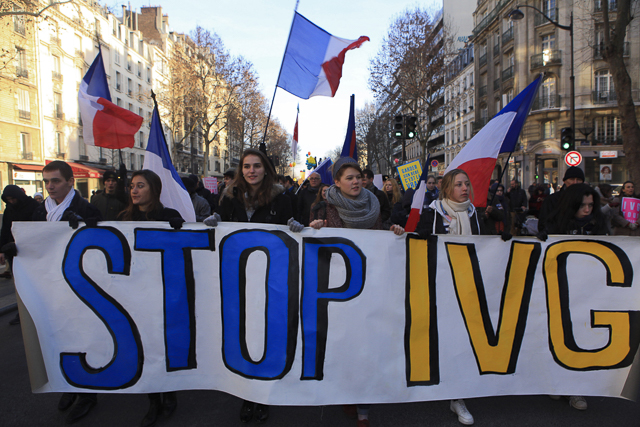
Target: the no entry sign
(573, 158)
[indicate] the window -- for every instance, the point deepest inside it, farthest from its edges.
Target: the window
(96, 26)
(141, 139)
(129, 63)
(132, 161)
(141, 47)
(548, 44)
(57, 105)
(78, 44)
(25, 146)
(82, 148)
(59, 143)
(607, 130)
(141, 161)
(549, 129)
(140, 112)
(24, 104)
(509, 95)
(497, 105)
(139, 70)
(56, 67)
(603, 82)
(139, 90)
(117, 56)
(21, 63)
(131, 107)
(118, 102)
(549, 8)
(148, 74)
(464, 131)
(548, 93)
(18, 22)
(129, 87)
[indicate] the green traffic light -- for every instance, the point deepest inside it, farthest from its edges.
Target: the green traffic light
(566, 145)
(411, 135)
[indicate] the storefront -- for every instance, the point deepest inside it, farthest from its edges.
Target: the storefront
(605, 167)
(28, 177)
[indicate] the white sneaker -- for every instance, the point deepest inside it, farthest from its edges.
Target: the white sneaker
(460, 409)
(578, 402)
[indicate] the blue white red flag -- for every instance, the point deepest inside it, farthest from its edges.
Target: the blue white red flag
(350, 149)
(418, 200)
(312, 63)
(174, 195)
(478, 157)
(104, 123)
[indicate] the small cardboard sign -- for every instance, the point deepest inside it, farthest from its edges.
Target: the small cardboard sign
(630, 209)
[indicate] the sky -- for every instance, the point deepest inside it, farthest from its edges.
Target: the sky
(258, 30)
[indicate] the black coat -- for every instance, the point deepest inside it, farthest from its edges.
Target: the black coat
(78, 205)
(277, 211)
(21, 211)
(385, 206)
(162, 214)
(548, 209)
(306, 197)
(109, 205)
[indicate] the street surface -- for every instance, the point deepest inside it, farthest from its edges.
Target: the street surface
(20, 407)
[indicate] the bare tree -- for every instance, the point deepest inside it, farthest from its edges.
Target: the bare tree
(613, 54)
(380, 142)
(364, 118)
(279, 146)
(30, 8)
(408, 71)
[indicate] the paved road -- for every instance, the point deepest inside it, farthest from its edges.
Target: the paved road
(20, 407)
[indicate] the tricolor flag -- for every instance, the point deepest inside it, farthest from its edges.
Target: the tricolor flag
(294, 143)
(324, 170)
(104, 123)
(350, 149)
(312, 63)
(418, 200)
(174, 195)
(478, 157)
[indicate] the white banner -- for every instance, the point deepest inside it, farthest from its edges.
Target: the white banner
(325, 316)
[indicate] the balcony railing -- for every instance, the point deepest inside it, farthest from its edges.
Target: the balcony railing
(58, 114)
(496, 85)
(507, 36)
(26, 115)
(507, 74)
(607, 140)
(482, 91)
(27, 156)
(55, 40)
(538, 19)
(613, 6)
(550, 57)
(483, 60)
(490, 17)
(56, 76)
(83, 157)
(604, 96)
(19, 27)
(60, 155)
(599, 50)
(22, 72)
(546, 102)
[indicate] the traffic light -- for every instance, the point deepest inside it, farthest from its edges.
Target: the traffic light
(398, 127)
(567, 142)
(411, 124)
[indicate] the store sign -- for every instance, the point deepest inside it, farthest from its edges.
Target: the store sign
(609, 154)
(24, 176)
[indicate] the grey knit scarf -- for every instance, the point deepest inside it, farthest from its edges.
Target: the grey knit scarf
(361, 212)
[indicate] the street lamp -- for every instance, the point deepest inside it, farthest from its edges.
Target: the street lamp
(517, 15)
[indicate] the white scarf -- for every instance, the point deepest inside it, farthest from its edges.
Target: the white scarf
(458, 217)
(54, 211)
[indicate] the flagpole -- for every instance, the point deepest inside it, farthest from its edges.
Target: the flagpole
(263, 146)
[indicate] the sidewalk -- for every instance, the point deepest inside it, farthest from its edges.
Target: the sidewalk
(7, 296)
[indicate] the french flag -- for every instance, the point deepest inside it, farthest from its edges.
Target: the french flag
(104, 123)
(500, 135)
(174, 195)
(350, 149)
(313, 59)
(418, 200)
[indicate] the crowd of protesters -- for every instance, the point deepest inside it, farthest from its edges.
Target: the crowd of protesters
(255, 193)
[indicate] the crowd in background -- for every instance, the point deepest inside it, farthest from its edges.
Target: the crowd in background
(255, 193)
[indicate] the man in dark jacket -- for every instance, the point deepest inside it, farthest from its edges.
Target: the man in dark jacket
(19, 207)
(109, 202)
(66, 204)
(385, 206)
(306, 197)
(573, 175)
(517, 204)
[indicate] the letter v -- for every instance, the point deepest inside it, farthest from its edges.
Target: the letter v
(495, 352)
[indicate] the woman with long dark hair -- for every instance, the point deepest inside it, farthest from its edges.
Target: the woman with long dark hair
(578, 212)
(254, 195)
(319, 205)
(144, 205)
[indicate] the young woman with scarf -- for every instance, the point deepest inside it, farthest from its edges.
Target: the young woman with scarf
(453, 213)
(349, 205)
(255, 196)
(144, 205)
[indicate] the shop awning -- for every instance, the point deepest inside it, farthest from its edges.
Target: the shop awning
(83, 171)
(35, 168)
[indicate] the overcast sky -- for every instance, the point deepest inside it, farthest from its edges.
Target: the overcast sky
(258, 30)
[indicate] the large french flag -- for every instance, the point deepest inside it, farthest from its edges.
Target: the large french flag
(104, 123)
(174, 195)
(350, 148)
(312, 63)
(500, 135)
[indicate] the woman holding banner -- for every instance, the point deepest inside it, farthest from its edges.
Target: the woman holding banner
(622, 226)
(255, 196)
(144, 205)
(453, 213)
(350, 206)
